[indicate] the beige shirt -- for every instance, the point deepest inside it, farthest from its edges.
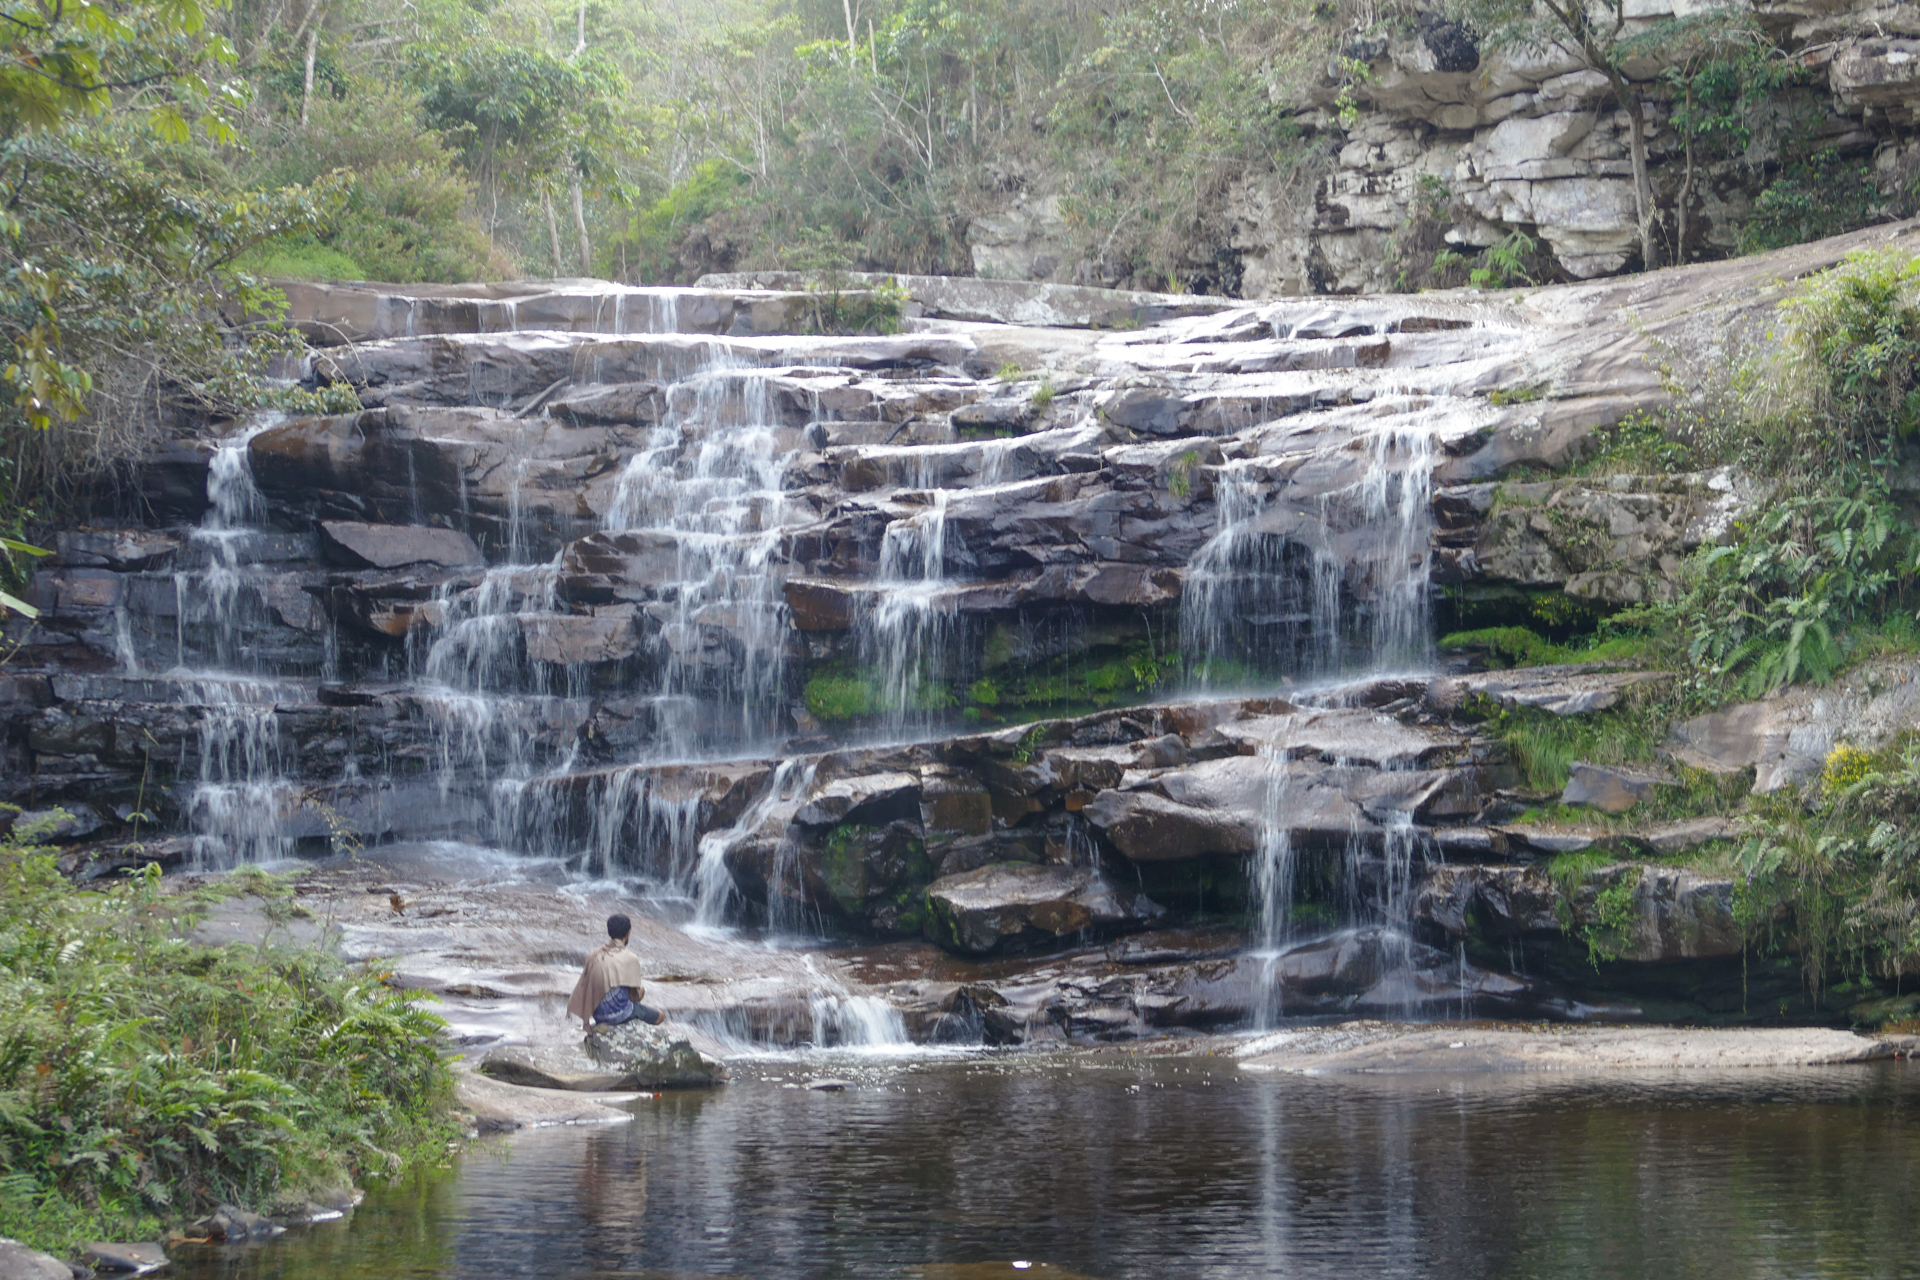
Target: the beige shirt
(607, 967)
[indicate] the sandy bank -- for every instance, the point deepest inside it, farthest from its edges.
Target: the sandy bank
(1386, 1047)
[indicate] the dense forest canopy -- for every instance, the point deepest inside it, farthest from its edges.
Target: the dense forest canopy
(165, 160)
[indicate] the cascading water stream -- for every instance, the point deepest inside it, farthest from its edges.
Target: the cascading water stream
(1273, 885)
(236, 806)
(907, 629)
(710, 482)
(1341, 589)
(706, 487)
(1351, 588)
(713, 883)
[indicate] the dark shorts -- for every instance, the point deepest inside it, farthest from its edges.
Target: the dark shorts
(619, 1007)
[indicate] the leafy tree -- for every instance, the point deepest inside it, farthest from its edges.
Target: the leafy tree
(526, 117)
(1723, 72)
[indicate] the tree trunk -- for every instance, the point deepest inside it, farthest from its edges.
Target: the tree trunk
(306, 81)
(1680, 208)
(1642, 184)
(580, 225)
(553, 229)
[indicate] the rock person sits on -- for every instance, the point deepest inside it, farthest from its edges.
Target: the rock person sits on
(609, 989)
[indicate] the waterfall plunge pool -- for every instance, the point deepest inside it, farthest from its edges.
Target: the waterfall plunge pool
(1111, 1164)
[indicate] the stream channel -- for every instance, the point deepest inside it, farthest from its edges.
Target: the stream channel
(965, 1164)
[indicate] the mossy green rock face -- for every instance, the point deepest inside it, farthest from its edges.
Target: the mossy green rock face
(1012, 906)
(875, 874)
(1644, 914)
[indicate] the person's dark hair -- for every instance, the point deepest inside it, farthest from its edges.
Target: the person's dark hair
(618, 927)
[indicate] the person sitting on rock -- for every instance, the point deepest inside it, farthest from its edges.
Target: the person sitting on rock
(609, 989)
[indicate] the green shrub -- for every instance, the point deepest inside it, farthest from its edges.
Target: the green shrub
(302, 259)
(1520, 647)
(654, 236)
(1823, 195)
(1545, 745)
(145, 1078)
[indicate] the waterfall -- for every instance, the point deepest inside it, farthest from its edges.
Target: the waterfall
(1341, 585)
(713, 883)
(907, 630)
(857, 1022)
(237, 803)
(237, 807)
(1396, 501)
(711, 479)
(1273, 883)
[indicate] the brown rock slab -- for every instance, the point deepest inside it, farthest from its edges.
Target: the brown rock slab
(1567, 690)
(392, 546)
(496, 1106)
(1407, 1048)
(1010, 905)
(1611, 788)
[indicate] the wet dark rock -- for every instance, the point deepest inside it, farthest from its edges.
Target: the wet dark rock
(1010, 906)
(75, 822)
(874, 797)
(1674, 913)
(122, 550)
(819, 605)
(872, 872)
(1505, 901)
(94, 862)
(1678, 914)
(1149, 827)
(233, 1224)
(1611, 788)
(571, 639)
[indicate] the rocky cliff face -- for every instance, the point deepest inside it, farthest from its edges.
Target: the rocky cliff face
(1458, 146)
(943, 634)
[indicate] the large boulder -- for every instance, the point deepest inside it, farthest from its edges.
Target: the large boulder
(1633, 912)
(1152, 828)
(648, 1057)
(616, 1059)
(18, 1262)
(1221, 807)
(1785, 739)
(1009, 906)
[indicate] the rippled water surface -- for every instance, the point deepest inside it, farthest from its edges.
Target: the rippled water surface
(969, 1166)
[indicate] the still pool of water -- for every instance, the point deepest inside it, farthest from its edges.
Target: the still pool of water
(950, 1168)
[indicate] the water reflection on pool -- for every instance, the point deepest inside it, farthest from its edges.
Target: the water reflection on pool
(964, 1166)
